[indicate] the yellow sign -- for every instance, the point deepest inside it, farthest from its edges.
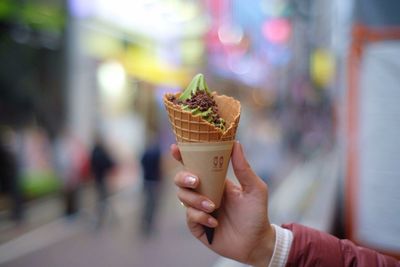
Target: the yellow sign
(322, 67)
(148, 67)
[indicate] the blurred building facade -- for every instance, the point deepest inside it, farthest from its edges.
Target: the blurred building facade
(102, 67)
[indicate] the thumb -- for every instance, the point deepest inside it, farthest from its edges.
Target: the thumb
(245, 175)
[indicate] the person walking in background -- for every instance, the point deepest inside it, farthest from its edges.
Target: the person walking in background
(101, 164)
(9, 176)
(70, 157)
(151, 167)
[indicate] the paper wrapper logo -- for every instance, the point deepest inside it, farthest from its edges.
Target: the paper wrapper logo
(218, 162)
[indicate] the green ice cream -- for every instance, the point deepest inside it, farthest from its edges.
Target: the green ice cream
(197, 99)
(198, 83)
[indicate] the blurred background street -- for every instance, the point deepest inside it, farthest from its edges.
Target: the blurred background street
(86, 173)
(66, 242)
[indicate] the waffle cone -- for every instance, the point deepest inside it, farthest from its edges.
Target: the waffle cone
(194, 129)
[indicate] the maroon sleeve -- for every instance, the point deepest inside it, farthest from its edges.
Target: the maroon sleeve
(314, 248)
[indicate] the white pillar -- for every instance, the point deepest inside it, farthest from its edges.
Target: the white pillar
(81, 93)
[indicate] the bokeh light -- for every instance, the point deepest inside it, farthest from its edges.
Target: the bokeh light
(277, 30)
(112, 79)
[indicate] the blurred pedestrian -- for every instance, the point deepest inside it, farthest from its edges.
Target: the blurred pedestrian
(9, 177)
(151, 167)
(101, 164)
(70, 158)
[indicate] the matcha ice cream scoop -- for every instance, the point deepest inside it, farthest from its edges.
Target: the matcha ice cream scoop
(198, 100)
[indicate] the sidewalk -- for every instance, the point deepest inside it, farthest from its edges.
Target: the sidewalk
(76, 243)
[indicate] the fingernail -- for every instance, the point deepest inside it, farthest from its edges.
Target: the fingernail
(212, 222)
(190, 180)
(207, 205)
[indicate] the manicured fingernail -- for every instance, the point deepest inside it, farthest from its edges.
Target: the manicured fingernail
(212, 222)
(207, 205)
(190, 180)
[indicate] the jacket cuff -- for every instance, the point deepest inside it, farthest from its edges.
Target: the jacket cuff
(283, 243)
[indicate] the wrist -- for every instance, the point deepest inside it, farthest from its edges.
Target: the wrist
(262, 254)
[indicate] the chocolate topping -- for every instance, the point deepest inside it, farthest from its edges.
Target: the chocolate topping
(203, 101)
(174, 100)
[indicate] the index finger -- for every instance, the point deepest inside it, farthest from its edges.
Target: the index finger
(185, 179)
(176, 153)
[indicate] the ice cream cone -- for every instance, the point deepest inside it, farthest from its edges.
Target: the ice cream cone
(205, 148)
(194, 129)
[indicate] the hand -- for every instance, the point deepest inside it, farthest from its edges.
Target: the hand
(243, 231)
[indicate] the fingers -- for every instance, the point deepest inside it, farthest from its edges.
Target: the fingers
(175, 152)
(186, 180)
(245, 175)
(192, 199)
(196, 218)
(198, 207)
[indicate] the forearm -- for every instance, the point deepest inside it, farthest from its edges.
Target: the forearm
(311, 247)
